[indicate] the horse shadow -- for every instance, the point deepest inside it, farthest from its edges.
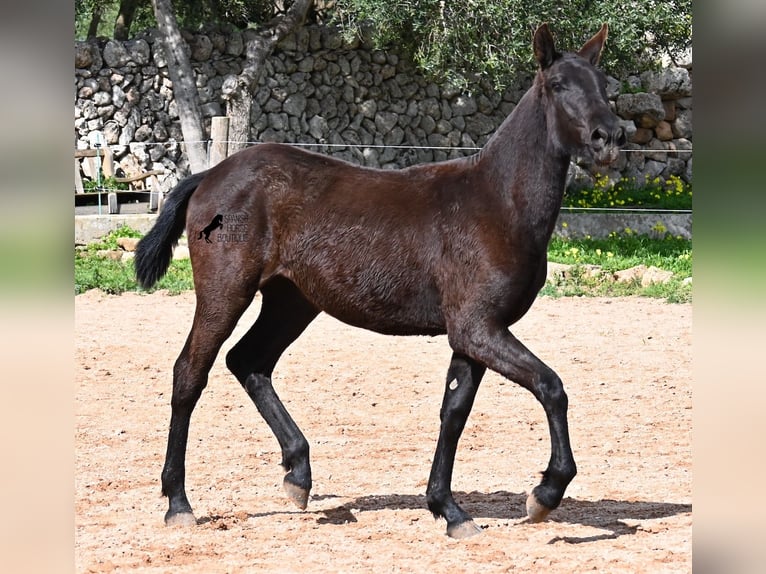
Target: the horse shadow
(607, 514)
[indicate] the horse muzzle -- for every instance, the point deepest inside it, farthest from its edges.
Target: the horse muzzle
(605, 145)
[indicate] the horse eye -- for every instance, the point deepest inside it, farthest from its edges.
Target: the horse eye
(557, 86)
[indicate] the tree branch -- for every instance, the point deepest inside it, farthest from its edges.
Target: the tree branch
(259, 44)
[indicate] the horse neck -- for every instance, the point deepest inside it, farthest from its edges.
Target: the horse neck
(525, 167)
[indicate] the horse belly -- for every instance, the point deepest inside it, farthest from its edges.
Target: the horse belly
(388, 319)
(374, 299)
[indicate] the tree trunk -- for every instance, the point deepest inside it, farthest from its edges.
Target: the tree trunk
(95, 20)
(238, 90)
(184, 85)
(124, 19)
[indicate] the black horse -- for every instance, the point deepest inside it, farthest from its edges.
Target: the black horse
(457, 247)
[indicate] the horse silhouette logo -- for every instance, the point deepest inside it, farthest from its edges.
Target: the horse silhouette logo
(212, 226)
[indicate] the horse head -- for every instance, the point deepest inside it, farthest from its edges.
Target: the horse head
(574, 93)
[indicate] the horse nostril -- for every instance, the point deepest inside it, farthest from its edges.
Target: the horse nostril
(599, 137)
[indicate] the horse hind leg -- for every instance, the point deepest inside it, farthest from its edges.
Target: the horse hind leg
(214, 320)
(284, 315)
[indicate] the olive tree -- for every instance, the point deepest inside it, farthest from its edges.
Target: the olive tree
(464, 40)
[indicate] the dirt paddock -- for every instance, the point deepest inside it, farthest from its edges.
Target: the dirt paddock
(369, 406)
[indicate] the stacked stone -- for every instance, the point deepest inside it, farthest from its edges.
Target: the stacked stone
(658, 120)
(342, 98)
(123, 91)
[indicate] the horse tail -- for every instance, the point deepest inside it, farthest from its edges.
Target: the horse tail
(155, 250)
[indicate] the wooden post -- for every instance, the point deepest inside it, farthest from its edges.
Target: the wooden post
(111, 199)
(78, 187)
(219, 133)
(155, 195)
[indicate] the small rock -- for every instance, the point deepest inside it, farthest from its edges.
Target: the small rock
(128, 243)
(669, 82)
(645, 275)
(318, 127)
(109, 254)
(557, 271)
(464, 106)
(591, 271)
(645, 109)
(664, 131)
(201, 48)
(655, 275)
(115, 54)
(631, 274)
(295, 105)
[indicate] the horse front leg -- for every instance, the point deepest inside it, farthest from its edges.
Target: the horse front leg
(499, 350)
(463, 378)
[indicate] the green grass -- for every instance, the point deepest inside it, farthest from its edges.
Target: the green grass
(611, 254)
(95, 271)
(620, 252)
(672, 193)
(109, 241)
(106, 184)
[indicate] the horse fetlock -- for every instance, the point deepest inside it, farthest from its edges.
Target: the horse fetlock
(459, 522)
(295, 459)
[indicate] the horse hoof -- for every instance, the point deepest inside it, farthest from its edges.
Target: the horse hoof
(463, 530)
(183, 519)
(536, 512)
(299, 496)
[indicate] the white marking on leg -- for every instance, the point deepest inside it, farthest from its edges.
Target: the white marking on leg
(453, 384)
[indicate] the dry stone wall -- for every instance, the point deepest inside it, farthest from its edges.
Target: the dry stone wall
(345, 99)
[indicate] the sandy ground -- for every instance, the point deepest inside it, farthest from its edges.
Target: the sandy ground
(369, 407)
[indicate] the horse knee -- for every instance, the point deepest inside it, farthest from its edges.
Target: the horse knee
(295, 453)
(550, 391)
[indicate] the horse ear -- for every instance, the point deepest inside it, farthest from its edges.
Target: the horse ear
(544, 47)
(591, 50)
